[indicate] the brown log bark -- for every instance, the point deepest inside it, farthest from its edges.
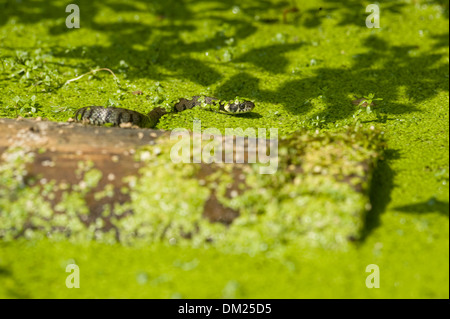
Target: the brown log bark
(59, 147)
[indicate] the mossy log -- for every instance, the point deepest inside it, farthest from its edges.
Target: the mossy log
(104, 178)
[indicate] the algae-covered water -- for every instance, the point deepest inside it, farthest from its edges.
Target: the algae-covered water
(303, 63)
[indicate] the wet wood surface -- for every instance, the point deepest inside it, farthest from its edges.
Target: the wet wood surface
(58, 147)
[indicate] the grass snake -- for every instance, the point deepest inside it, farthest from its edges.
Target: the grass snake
(99, 115)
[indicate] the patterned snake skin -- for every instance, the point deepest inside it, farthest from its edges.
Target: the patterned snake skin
(99, 115)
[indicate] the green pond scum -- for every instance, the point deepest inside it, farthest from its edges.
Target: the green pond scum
(374, 179)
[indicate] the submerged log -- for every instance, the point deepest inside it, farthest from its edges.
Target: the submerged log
(308, 165)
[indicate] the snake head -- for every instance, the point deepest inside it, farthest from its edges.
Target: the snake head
(237, 106)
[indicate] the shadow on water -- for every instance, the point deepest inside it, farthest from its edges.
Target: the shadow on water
(6, 274)
(380, 195)
(353, 12)
(164, 51)
(399, 71)
(350, 12)
(428, 206)
(250, 115)
(386, 70)
(380, 192)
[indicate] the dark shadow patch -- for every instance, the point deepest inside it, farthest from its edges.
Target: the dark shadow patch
(383, 70)
(380, 192)
(6, 273)
(429, 206)
(250, 115)
(269, 58)
(352, 12)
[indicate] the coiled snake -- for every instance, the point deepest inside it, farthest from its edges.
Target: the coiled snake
(99, 115)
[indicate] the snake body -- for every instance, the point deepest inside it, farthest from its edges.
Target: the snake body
(99, 115)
